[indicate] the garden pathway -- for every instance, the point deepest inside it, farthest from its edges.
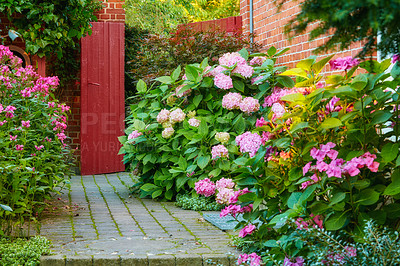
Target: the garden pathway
(98, 222)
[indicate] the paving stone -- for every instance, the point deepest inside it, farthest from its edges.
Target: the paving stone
(104, 260)
(161, 260)
(82, 260)
(188, 259)
(215, 259)
(134, 260)
(55, 260)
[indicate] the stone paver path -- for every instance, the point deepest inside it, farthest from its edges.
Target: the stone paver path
(102, 224)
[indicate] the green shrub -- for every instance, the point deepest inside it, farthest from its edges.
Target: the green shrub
(32, 148)
(188, 202)
(170, 163)
(23, 252)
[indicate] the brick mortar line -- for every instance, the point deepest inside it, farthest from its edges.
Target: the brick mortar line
(90, 210)
(184, 226)
(108, 207)
(148, 211)
(126, 206)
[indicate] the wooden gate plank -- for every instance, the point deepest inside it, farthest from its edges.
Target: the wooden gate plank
(102, 98)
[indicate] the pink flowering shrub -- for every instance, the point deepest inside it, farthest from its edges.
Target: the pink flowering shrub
(183, 129)
(33, 146)
(324, 155)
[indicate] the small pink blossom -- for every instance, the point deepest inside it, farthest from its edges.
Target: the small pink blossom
(13, 138)
(298, 261)
(236, 194)
(134, 134)
(395, 58)
(19, 147)
(61, 136)
(26, 123)
(39, 147)
(258, 60)
(247, 230)
(249, 259)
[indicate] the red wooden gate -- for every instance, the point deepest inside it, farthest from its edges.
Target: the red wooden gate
(102, 98)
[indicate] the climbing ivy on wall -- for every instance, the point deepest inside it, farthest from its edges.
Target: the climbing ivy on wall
(49, 26)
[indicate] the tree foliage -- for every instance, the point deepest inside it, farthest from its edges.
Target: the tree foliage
(49, 27)
(350, 21)
(162, 16)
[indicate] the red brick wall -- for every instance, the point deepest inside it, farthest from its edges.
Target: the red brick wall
(269, 27)
(113, 11)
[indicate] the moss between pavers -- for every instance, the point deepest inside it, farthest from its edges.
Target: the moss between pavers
(134, 260)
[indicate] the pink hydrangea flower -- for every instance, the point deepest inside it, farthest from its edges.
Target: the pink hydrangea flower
(134, 134)
(180, 95)
(219, 151)
(194, 122)
(255, 81)
(249, 105)
(205, 187)
(261, 122)
(249, 259)
(224, 183)
(298, 261)
(167, 132)
(258, 60)
(244, 70)
(231, 100)
(177, 116)
(230, 59)
(223, 81)
(395, 58)
(247, 230)
(343, 63)
(249, 142)
(223, 195)
(278, 110)
(236, 194)
(163, 116)
(222, 137)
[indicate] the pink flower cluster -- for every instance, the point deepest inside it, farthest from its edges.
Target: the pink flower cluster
(223, 81)
(230, 59)
(205, 187)
(224, 183)
(194, 122)
(298, 261)
(278, 110)
(177, 116)
(278, 93)
(249, 142)
(258, 60)
(343, 63)
(235, 210)
(316, 221)
(219, 151)
(167, 132)
(180, 95)
(249, 105)
(337, 166)
(231, 100)
(333, 258)
(134, 134)
(395, 58)
(163, 116)
(247, 230)
(249, 259)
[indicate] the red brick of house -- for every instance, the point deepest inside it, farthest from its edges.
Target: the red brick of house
(269, 29)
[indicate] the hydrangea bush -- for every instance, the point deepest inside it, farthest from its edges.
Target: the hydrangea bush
(32, 146)
(328, 159)
(184, 129)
